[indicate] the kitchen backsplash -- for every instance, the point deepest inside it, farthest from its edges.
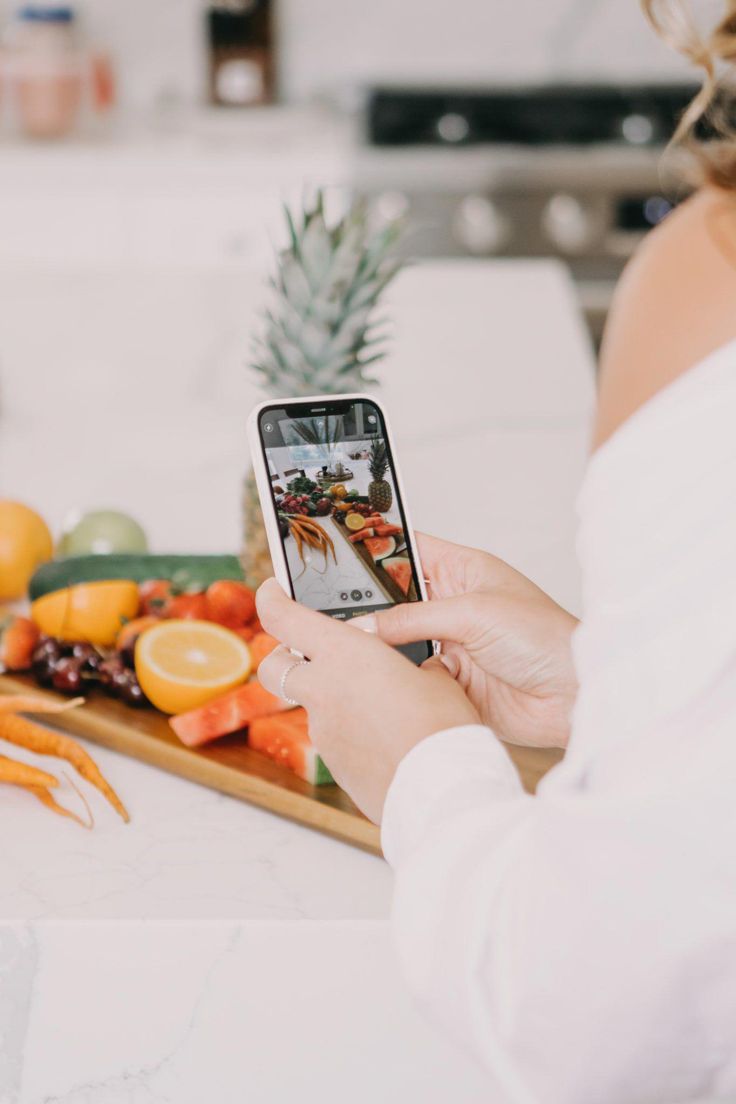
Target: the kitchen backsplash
(331, 47)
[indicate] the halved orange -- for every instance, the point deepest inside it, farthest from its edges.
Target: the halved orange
(355, 522)
(183, 664)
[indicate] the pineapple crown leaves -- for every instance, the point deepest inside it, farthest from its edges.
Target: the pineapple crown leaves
(378, 462)
(319, 335)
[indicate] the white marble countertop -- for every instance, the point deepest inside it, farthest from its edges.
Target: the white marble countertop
(208, 950)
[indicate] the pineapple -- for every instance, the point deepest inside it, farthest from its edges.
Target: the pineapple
(255, 557)
(380, 495)
(319, 336)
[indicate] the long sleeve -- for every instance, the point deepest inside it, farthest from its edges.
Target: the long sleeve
(581, 943)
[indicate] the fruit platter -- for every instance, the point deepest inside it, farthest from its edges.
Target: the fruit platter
(155, 656)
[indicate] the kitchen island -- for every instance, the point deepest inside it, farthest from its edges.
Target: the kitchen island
(208, 950)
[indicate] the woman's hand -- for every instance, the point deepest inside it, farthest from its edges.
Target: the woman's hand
(368, 705)
(503, 639)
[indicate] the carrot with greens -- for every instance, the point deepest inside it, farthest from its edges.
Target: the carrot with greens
(27, 734)
(311, 533)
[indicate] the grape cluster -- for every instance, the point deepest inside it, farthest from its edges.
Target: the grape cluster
(68, 667)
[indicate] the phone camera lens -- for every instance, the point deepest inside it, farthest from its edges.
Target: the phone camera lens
(268, 427)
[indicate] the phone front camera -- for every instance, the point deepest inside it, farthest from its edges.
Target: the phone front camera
(268, 427)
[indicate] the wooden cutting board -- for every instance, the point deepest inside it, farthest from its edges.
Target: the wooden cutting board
(231, 767)
(393, 592)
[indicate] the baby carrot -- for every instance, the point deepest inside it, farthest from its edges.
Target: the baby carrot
(27, 734)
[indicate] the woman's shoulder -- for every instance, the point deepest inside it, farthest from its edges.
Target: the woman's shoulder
(675, 304)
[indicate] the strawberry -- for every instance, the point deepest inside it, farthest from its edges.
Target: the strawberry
(18, 638)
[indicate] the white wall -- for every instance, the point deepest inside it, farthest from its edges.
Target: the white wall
(333, 46)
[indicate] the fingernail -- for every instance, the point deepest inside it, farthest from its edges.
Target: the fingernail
(451, 663)
(367, 622)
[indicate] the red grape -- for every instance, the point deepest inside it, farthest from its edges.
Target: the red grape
(67, 675)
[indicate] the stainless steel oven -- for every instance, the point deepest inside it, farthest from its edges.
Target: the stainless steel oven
(568, 171)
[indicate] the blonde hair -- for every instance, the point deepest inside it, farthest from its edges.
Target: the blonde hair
(715, 54)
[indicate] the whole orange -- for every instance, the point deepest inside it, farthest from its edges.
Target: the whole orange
(25, 542)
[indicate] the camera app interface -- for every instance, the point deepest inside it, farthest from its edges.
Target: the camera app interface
(340, 518)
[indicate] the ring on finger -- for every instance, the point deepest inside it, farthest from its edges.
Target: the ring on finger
(284, 676)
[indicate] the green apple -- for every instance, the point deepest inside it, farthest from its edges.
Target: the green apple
(101, 531)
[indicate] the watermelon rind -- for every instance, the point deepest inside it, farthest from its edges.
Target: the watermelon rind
(322, 776)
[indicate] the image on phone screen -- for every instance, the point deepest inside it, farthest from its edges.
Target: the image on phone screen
(341, 520)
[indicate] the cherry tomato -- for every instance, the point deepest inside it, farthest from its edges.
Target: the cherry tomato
(188, 606)
(230, 603)
(155, 595)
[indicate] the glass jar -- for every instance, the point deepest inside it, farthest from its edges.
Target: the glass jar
(44, 67)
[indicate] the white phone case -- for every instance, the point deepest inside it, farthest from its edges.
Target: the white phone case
(275, 545)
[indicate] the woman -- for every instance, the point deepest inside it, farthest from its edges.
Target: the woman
(581, 942)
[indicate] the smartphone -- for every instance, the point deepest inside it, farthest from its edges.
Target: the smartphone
(334, 509)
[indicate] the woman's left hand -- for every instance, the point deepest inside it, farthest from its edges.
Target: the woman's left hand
(368, 705)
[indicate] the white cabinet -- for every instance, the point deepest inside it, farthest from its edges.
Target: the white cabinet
(208, 193)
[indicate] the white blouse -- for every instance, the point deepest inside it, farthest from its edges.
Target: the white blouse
(583, 942)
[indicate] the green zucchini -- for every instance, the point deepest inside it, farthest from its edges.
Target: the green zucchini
(187, 573)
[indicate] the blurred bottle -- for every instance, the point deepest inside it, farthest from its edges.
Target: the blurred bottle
(56, 84)
(241, 53)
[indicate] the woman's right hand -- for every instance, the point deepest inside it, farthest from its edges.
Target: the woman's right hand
(504, 640)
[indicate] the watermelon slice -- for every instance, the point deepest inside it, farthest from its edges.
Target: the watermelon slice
(380, 547)
(225, 714)
(260, 646)
(399, 568)
(285, 738)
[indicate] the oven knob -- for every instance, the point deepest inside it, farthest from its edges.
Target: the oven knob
(390, 207)
(566, 223)
(637, 130)
(453, 127)
(479, 226)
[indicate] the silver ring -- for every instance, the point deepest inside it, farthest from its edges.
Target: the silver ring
(284, 675)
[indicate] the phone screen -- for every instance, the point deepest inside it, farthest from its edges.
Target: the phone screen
(341, 520)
